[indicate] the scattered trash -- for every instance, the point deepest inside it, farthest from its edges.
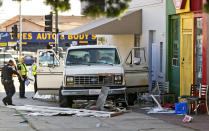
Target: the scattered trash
(187, 119)
(169, 105)
(54, 111)
(159, 109)
(46, 97)
(25, 121)
(146, 108)
(99, 124)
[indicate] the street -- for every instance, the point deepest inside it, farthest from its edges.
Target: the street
(126, 122)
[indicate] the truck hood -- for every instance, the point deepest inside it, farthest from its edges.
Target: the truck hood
(93, 69)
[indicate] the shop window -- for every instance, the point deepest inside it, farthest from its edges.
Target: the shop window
(175, 48)
(198, 50)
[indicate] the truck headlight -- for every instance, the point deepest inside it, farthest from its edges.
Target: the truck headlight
(69, 80)
(118, 79)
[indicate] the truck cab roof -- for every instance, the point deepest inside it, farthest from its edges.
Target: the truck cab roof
(91, 46)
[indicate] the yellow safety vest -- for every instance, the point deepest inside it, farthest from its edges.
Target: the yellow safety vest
(23, 69)
(34, 69)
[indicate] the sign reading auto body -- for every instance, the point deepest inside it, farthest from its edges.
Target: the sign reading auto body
(45, 37)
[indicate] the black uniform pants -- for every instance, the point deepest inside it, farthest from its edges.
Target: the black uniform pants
(9, 89)
(35, 84)
(22, 87)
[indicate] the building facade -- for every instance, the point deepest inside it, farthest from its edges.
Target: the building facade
(186, 45)
(34, 36)
(152, 36)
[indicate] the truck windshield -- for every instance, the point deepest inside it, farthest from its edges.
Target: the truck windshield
(5, 56)
(92, 56)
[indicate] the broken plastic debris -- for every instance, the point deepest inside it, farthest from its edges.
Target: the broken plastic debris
(187, 118)
(99, 124)
(25, 121)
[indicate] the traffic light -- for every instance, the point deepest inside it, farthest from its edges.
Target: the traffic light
(14, 32)
(48, 23)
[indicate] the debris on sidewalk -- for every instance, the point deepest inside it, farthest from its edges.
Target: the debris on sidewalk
(102, 98)
(37, 96)
(33, 110)
(187, 119)
(159, 108)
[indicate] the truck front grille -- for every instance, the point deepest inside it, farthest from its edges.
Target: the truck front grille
(93, 80)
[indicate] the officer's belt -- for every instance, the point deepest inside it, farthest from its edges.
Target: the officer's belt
(5, 80)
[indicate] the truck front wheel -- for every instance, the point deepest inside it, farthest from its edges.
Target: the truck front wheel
(131, 98)
(65, 101)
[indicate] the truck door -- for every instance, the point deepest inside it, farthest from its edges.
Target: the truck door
(136, 70)
(49, 72)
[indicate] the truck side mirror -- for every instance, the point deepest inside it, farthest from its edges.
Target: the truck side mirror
(51, 65)
(136, 61)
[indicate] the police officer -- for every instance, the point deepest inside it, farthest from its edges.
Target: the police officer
(34, 68)
(22, 70)
(7, 81)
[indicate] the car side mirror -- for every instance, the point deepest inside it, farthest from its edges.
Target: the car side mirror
(136, 61)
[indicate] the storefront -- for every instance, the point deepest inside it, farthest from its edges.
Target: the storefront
(186, 45)
(39, 40)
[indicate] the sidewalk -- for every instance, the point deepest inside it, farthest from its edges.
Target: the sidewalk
(199, 122)
(9, 122)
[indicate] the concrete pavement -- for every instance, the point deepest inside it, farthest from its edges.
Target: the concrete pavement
(126, 122)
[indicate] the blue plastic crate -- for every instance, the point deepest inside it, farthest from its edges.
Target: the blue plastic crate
(181, 108)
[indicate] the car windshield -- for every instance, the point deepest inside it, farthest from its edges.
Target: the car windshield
(2, 56)
(92, 56)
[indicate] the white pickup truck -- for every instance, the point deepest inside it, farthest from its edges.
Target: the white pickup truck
(85, 69)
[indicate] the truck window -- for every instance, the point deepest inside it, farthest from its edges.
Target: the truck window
(47, 59)
(136, 56)
(92, 56)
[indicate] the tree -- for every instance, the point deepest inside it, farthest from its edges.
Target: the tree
(109, 8)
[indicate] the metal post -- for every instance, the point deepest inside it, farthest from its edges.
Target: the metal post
(20, 29)
(57, 32)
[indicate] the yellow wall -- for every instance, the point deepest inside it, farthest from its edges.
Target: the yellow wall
(187, 8)
(123, 42)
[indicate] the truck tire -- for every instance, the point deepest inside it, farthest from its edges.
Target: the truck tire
(65, 101)
(131, 98)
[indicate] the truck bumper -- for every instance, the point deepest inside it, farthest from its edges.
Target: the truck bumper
(87, 92)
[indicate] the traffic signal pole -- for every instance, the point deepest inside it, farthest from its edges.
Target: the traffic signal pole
(20, 29)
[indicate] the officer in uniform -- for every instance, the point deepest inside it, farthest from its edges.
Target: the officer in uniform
(22, 70)
(7, 81)
(34, 68)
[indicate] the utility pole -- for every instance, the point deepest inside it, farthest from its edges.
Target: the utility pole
(57, 30)
(20, 29)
